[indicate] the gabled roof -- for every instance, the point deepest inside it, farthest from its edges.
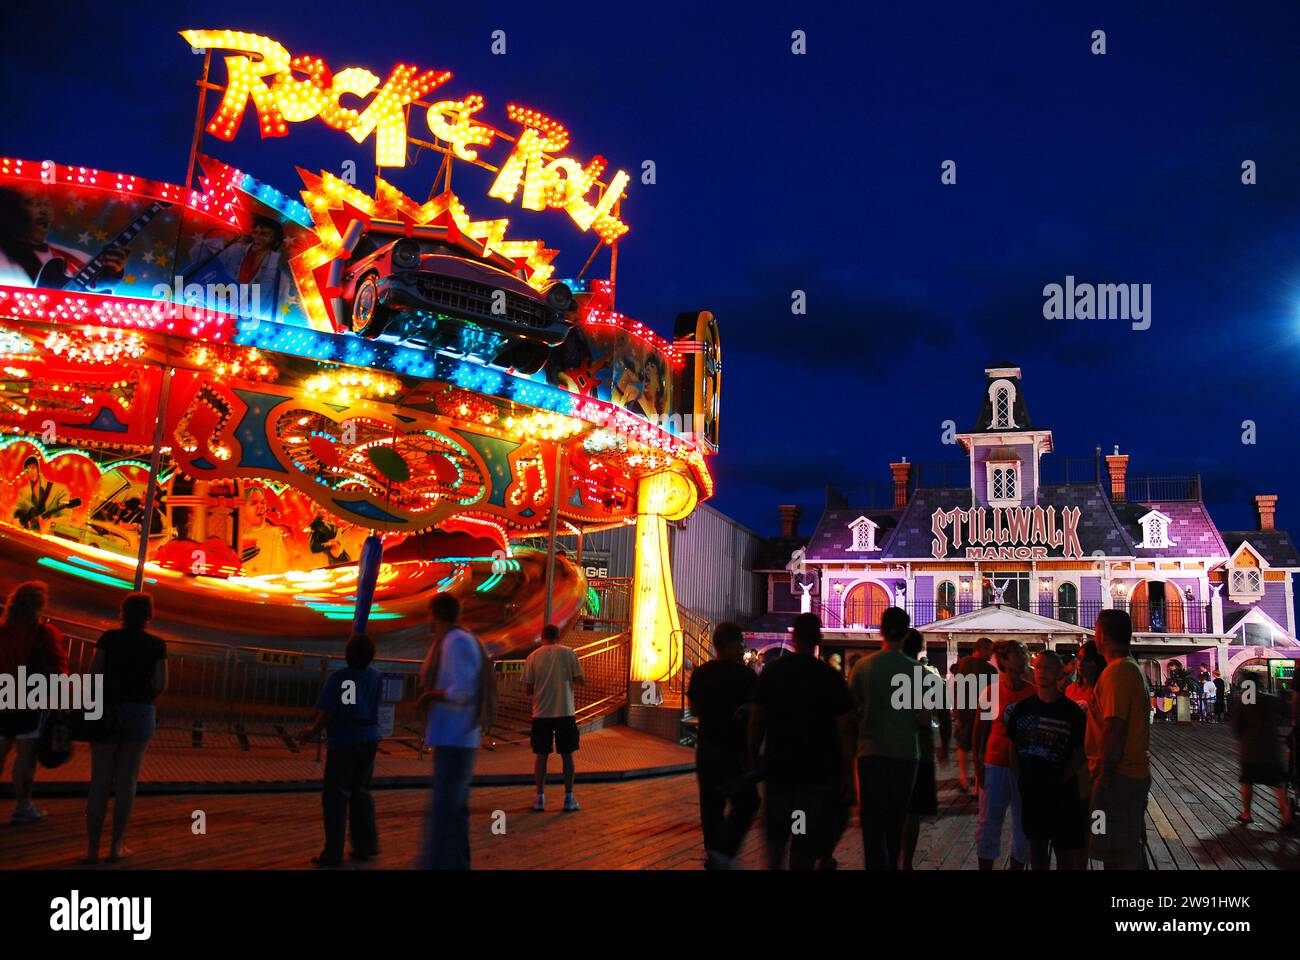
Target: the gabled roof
(832, 538)
(1235, 618)
(1250, 548)
(1098, 527)
(1002, 618)
(1275, 546)
(1191, 531)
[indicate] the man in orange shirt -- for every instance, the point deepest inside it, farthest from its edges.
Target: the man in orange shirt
(1119, 727)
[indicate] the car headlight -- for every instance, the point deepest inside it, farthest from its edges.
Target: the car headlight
(559, 297)
(406, 254)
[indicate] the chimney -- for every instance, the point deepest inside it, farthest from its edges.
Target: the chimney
(790, 520)
(902, 476)
(1265, 506)
(1117, 463)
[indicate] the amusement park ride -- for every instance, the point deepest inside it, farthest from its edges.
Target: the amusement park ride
(265, 408)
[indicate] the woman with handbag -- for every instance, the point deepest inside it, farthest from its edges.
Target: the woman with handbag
(134, 665)
(27, 640)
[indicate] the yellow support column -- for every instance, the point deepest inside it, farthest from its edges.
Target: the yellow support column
(656, 630)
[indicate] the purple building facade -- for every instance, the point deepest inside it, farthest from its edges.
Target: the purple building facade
(1009, 550)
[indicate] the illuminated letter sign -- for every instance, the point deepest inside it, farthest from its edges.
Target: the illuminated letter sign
(285, 89)
(1006, 533)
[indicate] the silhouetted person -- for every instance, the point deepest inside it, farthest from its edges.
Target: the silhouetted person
(978, 664)
(549, 675)
(28, 640)
(133, 662)
(456, 679)
(887, 750)
(803, 718)
(997, 786)
(1259, 720)
(925, 792)
(1119, 731)
(348, 709)
(719, 694)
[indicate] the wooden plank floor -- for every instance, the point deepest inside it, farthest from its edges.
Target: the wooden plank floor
(644, 824)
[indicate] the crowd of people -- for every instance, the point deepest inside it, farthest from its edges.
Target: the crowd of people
(456, 695)
(1059, 748)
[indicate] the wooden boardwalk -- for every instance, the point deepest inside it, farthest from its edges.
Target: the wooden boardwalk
(643, 824)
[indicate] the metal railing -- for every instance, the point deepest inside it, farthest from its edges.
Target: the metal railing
(248, 691)
(1162, 489)
(605, 664)
(1167, 616)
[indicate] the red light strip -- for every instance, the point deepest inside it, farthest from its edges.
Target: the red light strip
(61, 306)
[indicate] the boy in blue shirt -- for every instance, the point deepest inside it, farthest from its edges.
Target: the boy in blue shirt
(348, 710)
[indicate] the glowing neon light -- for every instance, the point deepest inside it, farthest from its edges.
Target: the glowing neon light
(656, 629)
(287, 89)
(85, 574)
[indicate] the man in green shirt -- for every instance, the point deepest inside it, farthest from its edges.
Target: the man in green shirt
(887, 689)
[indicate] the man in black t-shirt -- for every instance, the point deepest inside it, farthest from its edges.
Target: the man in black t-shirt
(803, 716)
(719, 694)
(1046, 733)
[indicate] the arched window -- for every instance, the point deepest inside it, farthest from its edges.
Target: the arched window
(1156, 606)
(1002, 398)
(1067, 603)
(1001, 407)
(945, 600)
(864, 604)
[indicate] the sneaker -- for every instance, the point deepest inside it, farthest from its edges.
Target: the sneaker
(539, 805)
(570, 803)
(29, 813)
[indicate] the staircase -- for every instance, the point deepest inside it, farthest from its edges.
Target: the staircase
(602, 640)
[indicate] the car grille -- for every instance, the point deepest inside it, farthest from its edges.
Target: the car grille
(464, 298)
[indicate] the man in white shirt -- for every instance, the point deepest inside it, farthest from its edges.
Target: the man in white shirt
(549, 675)
(452, 681)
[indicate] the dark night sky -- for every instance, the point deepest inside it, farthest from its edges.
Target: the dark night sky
(821, 173)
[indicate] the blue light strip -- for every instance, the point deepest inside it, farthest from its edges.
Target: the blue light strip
(276, 200)
(408, 361)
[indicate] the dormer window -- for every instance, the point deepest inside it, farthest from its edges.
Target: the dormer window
(1247, 583)
(1002, 396)
(1155, 531)
(1246, 580)
(862, 535)
(1003, 483)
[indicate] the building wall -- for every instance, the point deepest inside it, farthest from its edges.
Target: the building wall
(1023, 450)
(712, 557)
(713, 562)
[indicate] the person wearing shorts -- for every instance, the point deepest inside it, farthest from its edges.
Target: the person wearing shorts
(549, 675)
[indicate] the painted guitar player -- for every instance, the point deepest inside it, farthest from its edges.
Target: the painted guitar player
(28, 259)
